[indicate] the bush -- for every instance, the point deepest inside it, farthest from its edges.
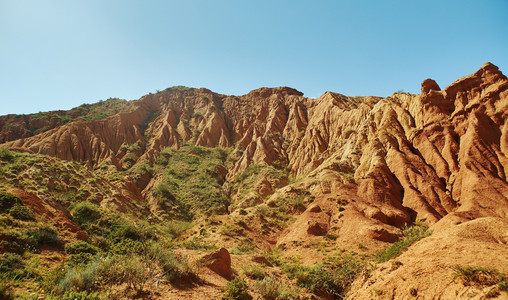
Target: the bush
(84, 295)
(79, 259)
(14, 241)
(408, 236)
(254, 272)
(21, 212)
(245, 247)
(162, 191)
(85, 213)
(80, 247)
(11, 265)
(130, 158)
(126, 246)
(43, 234)
(236, 289)
(333, 277)
(126, 231)
(479, 275)
(269, 288)
(134, 272)
(175, 228)
(79, 278)
(174, 266)
(6, 154)
(7, 201)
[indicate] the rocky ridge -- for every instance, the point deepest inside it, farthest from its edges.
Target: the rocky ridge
(371, 164)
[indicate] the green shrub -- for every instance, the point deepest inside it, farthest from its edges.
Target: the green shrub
(6, 221)
(79, 278)
(6, 155)
(11, 266)
(254, 272)
(232, 230)
(7, 201)
(52, 277)
(21, 212)
(85, 212)
(84, 295)
(236, 289)
(126, 231)
(408, 236)
(503, 285)
(175, 228)
(332, 237)
(16, 242)
(130, 158)
(79, 259)
(174, 266)
(126, 246)
(135, 272)
(480, 276)
(245, 247)
(80, 247)
(43, 234)
(198, 244)
(333, 276)
(162, 191)
(269, 288)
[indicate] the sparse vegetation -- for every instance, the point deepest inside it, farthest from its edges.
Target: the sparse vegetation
(191, 181)
(254, 272)
(333, 276)
(408, 235)
(471, 275)
(236, 290)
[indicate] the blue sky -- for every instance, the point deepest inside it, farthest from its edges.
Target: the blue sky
(58, 54)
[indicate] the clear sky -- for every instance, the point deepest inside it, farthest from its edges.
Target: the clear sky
(58, 54)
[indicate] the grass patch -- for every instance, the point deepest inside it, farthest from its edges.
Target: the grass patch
(272, 289)
(333, 277)
(408, 235)
(254, 272)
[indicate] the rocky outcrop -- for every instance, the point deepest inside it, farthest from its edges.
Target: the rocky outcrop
(219, 262)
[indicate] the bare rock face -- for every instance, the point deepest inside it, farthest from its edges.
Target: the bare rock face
(429, 85)
(219, 262)
(316, 228)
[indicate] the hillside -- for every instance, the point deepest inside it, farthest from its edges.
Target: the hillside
(355, 197)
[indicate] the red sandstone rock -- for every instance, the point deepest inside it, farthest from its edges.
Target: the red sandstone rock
(219, 262)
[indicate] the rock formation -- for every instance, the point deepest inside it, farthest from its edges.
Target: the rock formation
(372, 164)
